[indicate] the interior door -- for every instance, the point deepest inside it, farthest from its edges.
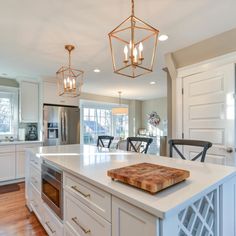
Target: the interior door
(209, 112)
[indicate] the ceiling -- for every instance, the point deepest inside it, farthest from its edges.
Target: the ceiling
(33, 35)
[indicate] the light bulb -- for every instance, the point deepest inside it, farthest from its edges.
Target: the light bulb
(140, 48)
(64, 83)
(68, 82)
(73, 81)
(126, 50)
(130, 44)
(135, 54)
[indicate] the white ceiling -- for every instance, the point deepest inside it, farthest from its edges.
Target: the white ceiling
(33, 35)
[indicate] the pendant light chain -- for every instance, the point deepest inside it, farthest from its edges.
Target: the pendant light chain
(69, 59)
(132, 2)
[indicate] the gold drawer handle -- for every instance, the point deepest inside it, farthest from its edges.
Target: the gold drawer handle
(86, 231)
(77, 190)
(52, 231)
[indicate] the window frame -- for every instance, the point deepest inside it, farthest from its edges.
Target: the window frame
(14, 94)
(100, 106)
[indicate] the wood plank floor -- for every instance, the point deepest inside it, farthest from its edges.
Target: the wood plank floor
(15, 218)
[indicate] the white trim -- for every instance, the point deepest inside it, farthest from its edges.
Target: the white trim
(207, 65)
(8, 89)
(6, 182)
(179, 108)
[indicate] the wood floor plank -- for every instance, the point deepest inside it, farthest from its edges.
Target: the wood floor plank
(15, 218)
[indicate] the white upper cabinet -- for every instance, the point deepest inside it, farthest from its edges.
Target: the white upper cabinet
(29, 101)
(51, 96)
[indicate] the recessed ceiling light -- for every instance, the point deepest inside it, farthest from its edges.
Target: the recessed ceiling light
(153, 82)
(163, 37)
(96, 70)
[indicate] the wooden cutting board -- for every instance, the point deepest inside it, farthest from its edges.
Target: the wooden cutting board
(150, 177)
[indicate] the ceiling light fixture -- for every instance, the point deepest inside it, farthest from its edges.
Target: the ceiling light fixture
(97, 70)
(133, 46)
(121, 110)
(163, 37)
(153, 82)
(70, 80)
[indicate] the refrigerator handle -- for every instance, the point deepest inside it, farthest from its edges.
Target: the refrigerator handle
(62, 127)
(65, 127)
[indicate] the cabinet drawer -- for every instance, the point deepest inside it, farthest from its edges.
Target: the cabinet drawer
(91, 196)
(36, 162)
(7, 148)
(69, 232)
(130, 220)
(52, 224)
(37, 205)
(81, 220)
(35, 178)
(22, 147)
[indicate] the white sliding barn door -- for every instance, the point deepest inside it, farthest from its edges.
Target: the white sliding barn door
(208, 112)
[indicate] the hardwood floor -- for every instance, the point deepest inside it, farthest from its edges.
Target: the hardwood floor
(15, 218)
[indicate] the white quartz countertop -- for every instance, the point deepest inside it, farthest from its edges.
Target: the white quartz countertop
(91, 164)
(18, 142)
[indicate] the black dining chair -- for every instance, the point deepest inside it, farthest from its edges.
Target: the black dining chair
(104, 141)
(138, 144)
(188, 142)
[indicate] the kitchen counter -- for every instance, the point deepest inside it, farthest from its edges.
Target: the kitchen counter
(91, 164)
(202, 203)
(19, 142)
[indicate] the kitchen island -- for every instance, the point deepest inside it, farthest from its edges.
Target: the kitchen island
(204, 204)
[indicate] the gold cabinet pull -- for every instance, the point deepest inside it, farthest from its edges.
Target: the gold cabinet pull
(47, 223)
(77, 190)
(86, 231)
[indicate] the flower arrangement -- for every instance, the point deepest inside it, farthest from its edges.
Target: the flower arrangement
(154, 119)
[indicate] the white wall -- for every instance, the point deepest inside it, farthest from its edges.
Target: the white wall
(159, 105)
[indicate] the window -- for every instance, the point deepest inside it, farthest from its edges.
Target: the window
(8, 112)
(99, 121)
(121, 124)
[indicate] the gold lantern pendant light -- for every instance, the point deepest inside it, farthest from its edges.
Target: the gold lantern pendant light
(70, 80)
(133, 46)
(120, 110)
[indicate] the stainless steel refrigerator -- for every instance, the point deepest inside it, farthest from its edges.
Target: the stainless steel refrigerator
(61, 125)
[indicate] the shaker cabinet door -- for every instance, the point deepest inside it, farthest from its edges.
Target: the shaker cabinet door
(7, 166)
(29, 102)
(129, 220)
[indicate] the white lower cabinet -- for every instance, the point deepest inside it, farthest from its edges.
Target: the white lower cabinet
(93, 197)
(20, 158)
(20, 165)
(88, 210)
(35, 178)
(68, 231)
(7, 166)
(52, 224)
(12, 161)
(81, 220)
(128, 220)
(36, 204)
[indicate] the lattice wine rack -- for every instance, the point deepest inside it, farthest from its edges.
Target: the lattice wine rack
(199, 219)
